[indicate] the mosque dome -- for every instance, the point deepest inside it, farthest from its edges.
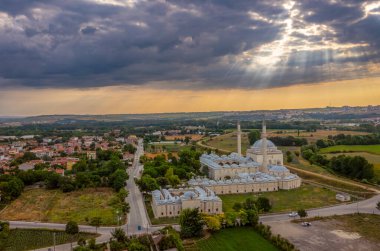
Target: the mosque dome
(259, 143)
(189, 195)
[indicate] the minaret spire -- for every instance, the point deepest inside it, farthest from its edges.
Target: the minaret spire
(238, 139)
(264, 148)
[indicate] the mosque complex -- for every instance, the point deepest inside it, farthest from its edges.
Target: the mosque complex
(261, 170)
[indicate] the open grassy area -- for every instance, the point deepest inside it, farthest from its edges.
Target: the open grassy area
(55, 206)
(229, 142)
(307, 196)
(367, 225)
(375, 149)
(311, 137)
(243, 239)
(28, 239)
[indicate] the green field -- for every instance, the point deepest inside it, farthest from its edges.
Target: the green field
(27, 239)
(307, 196)
(55, 206)
(228, 142)
(375, 149)
(242, 239)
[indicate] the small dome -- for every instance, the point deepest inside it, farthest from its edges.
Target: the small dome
(189, 195)
(259, 142)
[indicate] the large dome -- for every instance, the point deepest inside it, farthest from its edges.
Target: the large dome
(259, 143)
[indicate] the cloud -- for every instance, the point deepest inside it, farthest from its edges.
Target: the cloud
(186, 44)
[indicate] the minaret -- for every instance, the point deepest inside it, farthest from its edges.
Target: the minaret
(264, 148)
(238, 139)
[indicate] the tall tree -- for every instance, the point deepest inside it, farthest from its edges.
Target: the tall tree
(253, 136)
(191, 223)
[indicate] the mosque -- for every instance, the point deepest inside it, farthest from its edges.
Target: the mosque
(261, 170)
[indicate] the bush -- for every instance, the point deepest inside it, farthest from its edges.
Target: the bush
(72, 228)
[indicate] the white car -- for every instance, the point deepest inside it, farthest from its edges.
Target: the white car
(293, 214)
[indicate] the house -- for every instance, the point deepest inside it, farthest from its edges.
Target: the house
(91, 154)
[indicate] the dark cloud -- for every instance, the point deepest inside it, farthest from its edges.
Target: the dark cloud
(178, 44)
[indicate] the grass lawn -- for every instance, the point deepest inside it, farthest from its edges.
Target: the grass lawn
(241, 239)
(27, 239)
(55, 206)
(375, 149)
(307, 196)
(229, 142)
(366, 225)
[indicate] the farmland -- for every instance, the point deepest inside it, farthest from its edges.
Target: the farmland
(55, 206)
(235, 239)
(307, 196)
(27, 239)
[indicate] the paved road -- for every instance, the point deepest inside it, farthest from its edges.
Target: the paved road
(364, 206)
(137, 215)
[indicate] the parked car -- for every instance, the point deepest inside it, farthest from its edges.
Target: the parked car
(306, 224)
(293, 214)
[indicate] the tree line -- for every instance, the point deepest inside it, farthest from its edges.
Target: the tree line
(354, 167)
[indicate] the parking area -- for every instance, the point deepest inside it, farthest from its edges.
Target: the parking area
(323, 236)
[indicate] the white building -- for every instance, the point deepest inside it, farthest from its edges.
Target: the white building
(170, 203)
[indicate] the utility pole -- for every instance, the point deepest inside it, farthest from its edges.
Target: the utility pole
(54, 240)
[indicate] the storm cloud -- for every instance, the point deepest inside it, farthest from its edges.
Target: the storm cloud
(186, 44)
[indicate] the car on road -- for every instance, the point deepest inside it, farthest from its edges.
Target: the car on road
(293, 214)
(306, 224)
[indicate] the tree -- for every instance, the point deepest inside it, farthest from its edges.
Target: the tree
(72, 228)
(147, 183)
(263, 204)
(289, 158)
(117, 179)
(252, 217)
(237, 206)
(212, 222)
(302, 213)
(191, 223)
(253, 136)
(96, 222)
(119, 234)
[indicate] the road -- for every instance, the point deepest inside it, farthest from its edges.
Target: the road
(364, 206)
(137, 215)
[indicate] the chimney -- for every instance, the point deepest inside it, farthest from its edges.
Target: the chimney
(238, 139)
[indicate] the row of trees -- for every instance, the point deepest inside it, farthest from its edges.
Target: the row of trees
(288, 141)
(347, 139)
(262, 204)
(355, 167)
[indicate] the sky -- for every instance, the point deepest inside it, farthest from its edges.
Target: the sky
(137, 56)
